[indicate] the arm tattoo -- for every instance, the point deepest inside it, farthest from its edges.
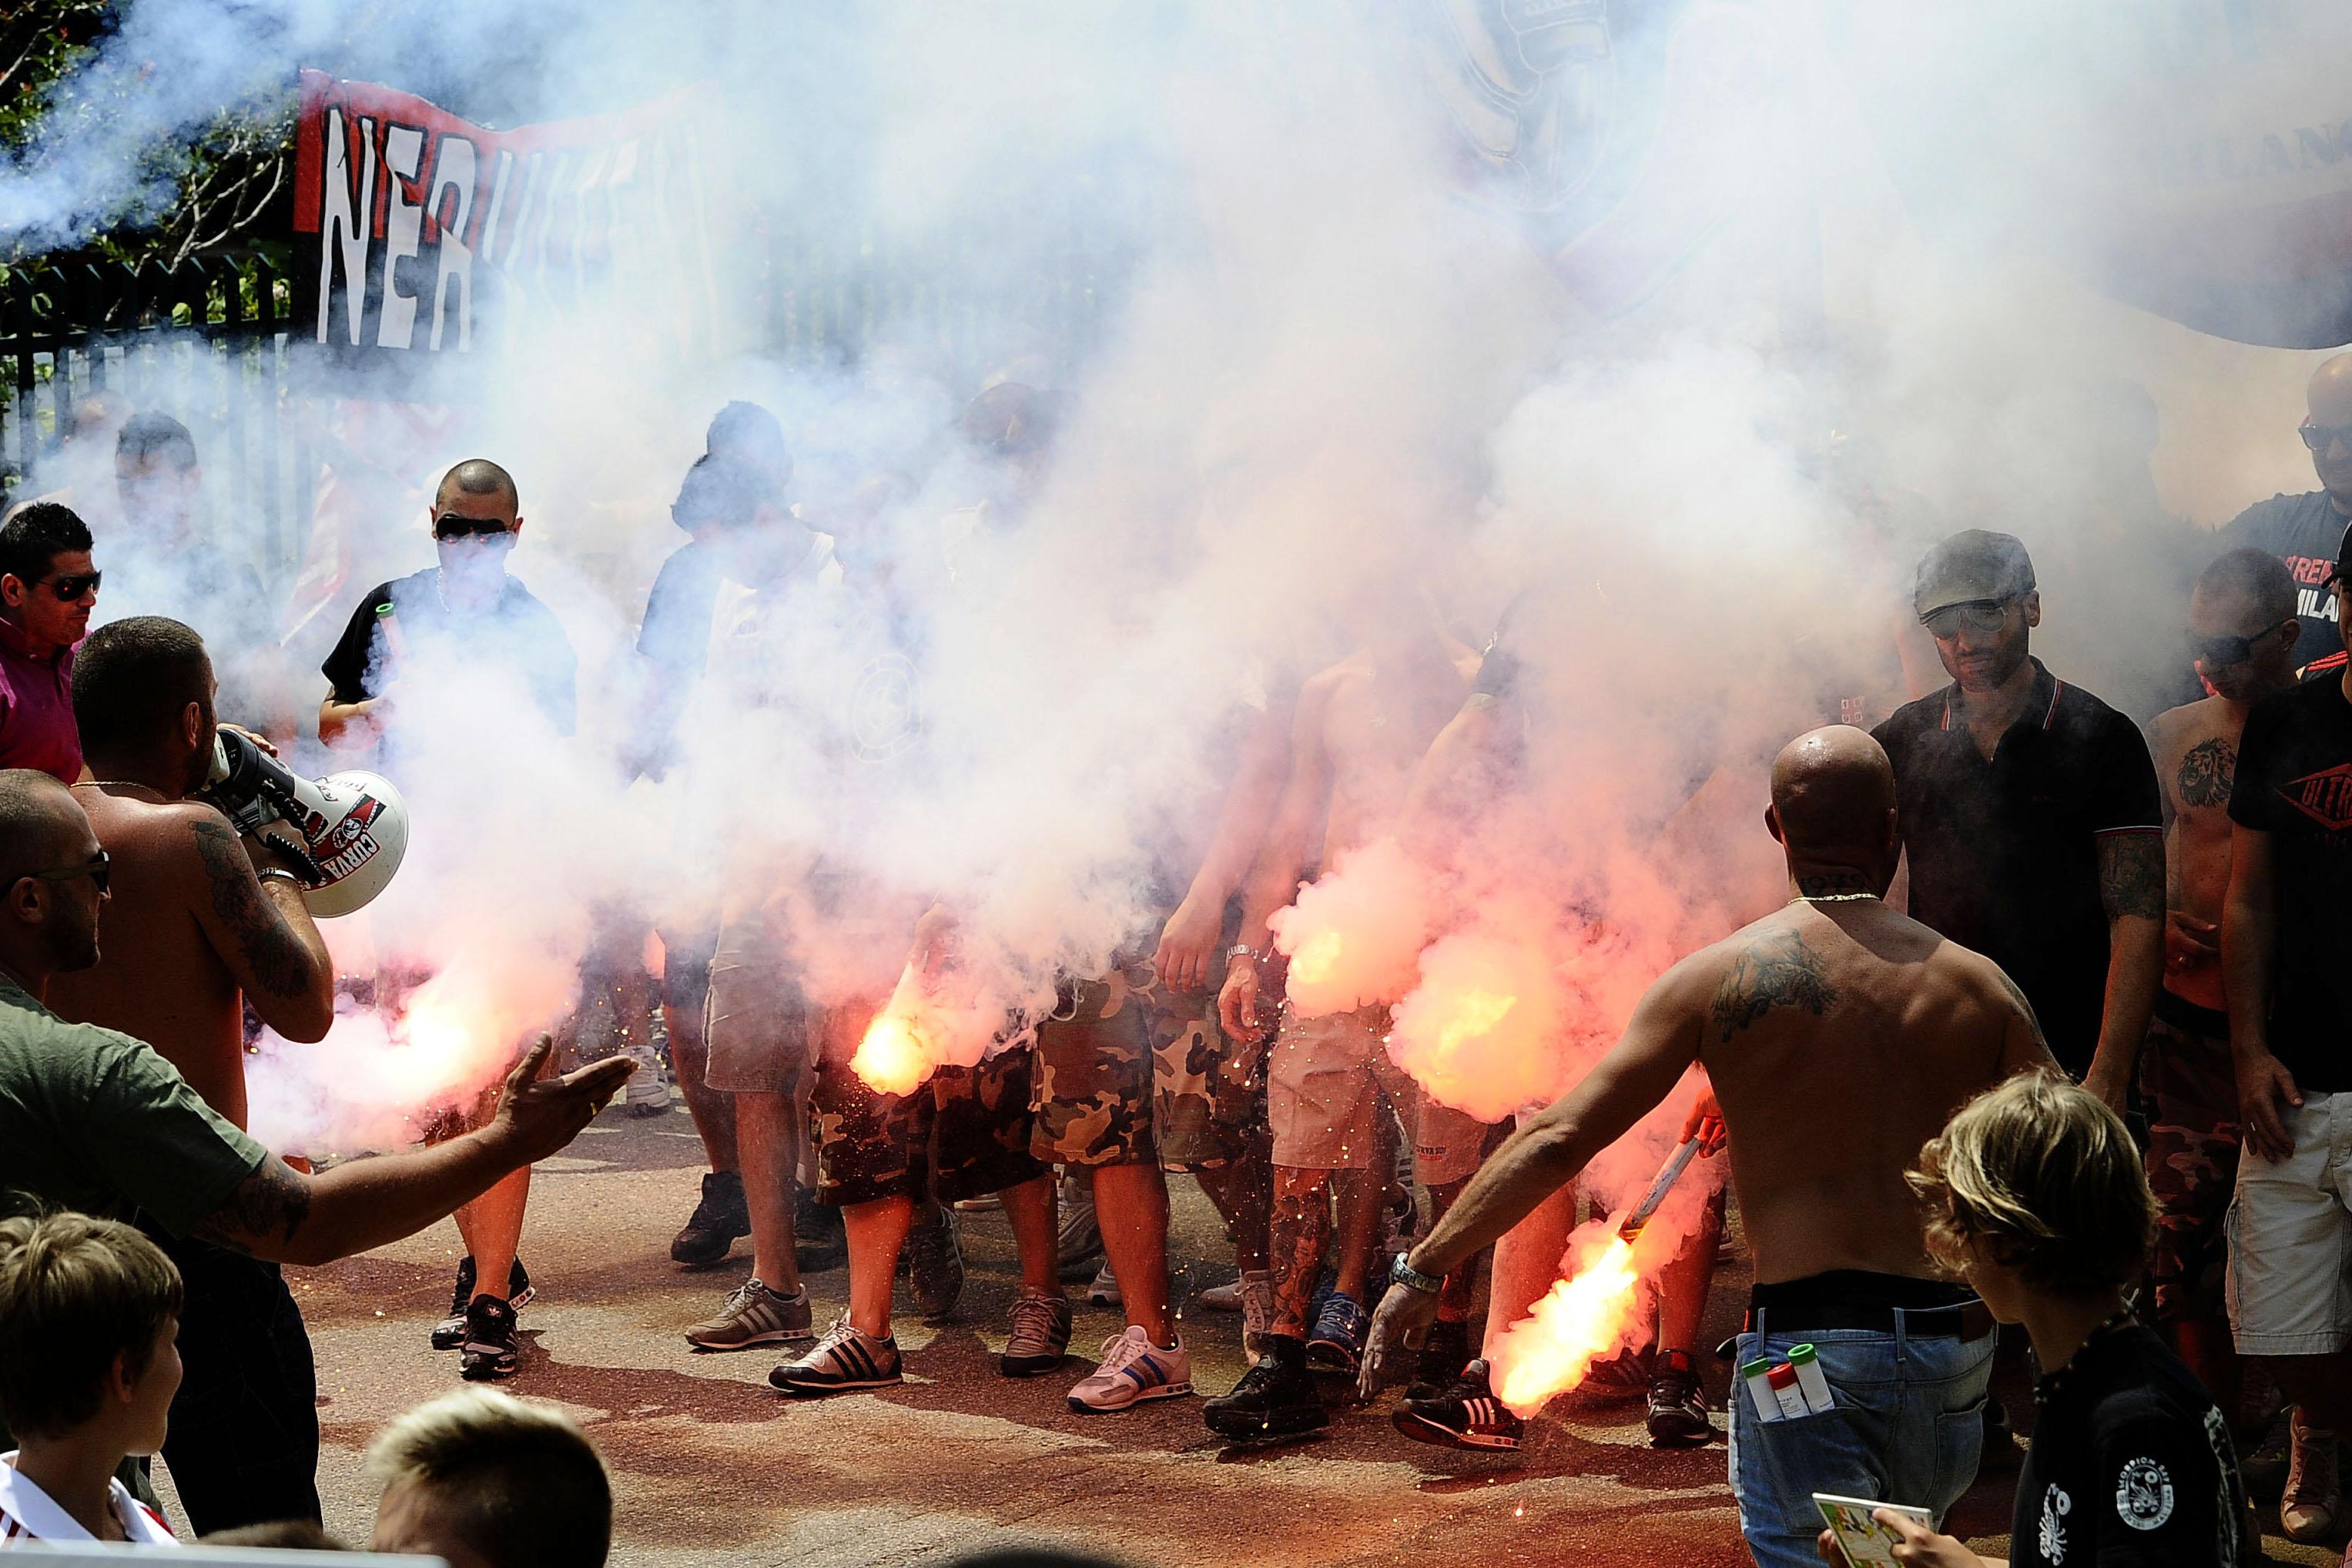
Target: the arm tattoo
(279, 962)
(2207, 770)
(268, 1206)
(1774, 971)
(2131, 875)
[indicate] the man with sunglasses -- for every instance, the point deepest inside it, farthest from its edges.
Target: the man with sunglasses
(2029, 814)
(2243, 636)
(47, 589)
(2302, 529)
(464, 613)
(462, 626)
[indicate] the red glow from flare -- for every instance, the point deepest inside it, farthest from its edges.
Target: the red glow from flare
(896, 1057)
(1584, 1318)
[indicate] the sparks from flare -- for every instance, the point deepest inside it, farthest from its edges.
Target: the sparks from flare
(1584, 1318)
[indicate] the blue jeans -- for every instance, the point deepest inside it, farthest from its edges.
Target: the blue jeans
(1908, 1427)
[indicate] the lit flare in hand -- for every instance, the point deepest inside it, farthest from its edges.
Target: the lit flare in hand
(893, 1058)
(1585, 1319)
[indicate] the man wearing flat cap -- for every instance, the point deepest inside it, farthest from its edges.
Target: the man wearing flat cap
(2028, 813)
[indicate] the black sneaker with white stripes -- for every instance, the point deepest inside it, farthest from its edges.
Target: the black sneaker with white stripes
(1464, 1414)
(450, 1332)
(491, 1351)
(846, 1358)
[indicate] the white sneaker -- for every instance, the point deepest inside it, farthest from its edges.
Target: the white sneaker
(1104, 1292)
(1258, 1310)
(2313, 1494)
(1133, 1370)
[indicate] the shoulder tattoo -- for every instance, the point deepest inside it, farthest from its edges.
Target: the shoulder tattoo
(2131, 875)
(268, 1206)
(280, 966)
(2207, 770)
(1774, 971)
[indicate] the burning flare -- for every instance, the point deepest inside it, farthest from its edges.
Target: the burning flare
(894, 1058)
(1586, 1318)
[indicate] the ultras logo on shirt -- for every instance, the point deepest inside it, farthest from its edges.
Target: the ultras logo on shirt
(2326, 796)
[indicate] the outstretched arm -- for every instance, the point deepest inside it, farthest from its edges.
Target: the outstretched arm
(283, 1215)
(1273, 880)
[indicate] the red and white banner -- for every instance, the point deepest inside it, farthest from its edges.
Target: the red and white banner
(425, 234)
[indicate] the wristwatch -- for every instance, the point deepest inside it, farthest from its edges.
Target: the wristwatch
(270, 873)
(1243, 950)
(1412, 1278)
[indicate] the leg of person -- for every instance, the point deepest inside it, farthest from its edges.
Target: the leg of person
(1392, 1101)
(1448, 1147)
(872, 1159)
(492, 1225)
(2192, 1093)
(760, 1042)
(242, 1446)
(984, 1142)
(1678, 1413)
(1321, 1103)
(720, 1216)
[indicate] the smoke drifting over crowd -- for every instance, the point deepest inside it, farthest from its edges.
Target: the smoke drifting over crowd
(1357, 377)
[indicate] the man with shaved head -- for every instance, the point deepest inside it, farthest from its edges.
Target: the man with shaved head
(1838, 1036)
(427, 662)
(2302, 530)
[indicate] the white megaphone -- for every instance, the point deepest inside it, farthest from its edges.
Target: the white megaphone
(354, 826)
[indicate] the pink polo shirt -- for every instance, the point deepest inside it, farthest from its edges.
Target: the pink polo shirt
(37, 717)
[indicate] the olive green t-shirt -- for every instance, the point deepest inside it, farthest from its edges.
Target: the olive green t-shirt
(95, 1120)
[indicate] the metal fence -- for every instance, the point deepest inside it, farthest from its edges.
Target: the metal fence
(207, 340)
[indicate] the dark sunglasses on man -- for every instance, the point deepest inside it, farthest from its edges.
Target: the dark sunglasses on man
(1976, 614)
(97, 869)
(450, 526)
(2317, 436)
(2221, 652)
(72, 587)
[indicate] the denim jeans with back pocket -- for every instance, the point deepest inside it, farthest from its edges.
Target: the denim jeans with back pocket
(1907, 1426)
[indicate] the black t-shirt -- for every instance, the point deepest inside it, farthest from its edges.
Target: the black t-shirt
(2304, 531)
(514, 632)
(2131, 1464)
(2004, 853)
(2295, 782)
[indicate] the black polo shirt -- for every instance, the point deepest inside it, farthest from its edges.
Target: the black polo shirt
(2004, 853)
(2131, 1464)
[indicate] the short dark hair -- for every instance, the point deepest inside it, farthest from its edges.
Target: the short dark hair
(480, 476)
(75, 1293)
(517, 1482)
(279, 1535)
(36, 536)
(133, 677)
(1012, 419)
(152, 432)
(721, 490)
(2256, 575)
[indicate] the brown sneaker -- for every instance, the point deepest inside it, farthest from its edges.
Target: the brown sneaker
(755, 1315)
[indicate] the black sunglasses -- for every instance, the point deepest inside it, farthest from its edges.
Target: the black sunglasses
(1978, 614)
(2317, 436)
(2221, 652)
(67, 589)
(449, 525)
(98, 871)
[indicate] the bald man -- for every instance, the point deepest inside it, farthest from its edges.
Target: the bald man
(1838, 1036)
(459, 644)
(2303, 530)
(93, 1120)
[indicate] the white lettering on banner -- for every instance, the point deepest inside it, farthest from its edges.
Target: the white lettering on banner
(454, 167)
(344, 233)
(403, 224)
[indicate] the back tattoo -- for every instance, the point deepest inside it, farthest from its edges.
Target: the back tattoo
(1776, 971)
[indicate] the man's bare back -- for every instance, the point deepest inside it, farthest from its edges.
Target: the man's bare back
(1804, 1018)
(187, 934)
(1372, 722)
(2196, 750)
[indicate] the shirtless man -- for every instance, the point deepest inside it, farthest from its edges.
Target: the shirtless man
(1839, 1036)
(199, 922)
(2246, 636)
(1362, 727)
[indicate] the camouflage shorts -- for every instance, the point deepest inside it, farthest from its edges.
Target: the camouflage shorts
(1207, 1105)
(1093, 1088)
(2187, 1079)
(965, 1132)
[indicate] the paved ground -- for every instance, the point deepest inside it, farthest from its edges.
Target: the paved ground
(713, 1466)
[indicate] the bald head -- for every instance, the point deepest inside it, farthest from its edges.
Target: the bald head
(480, 476)
(41, 824)
(2331, 391)
(1831, 790)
